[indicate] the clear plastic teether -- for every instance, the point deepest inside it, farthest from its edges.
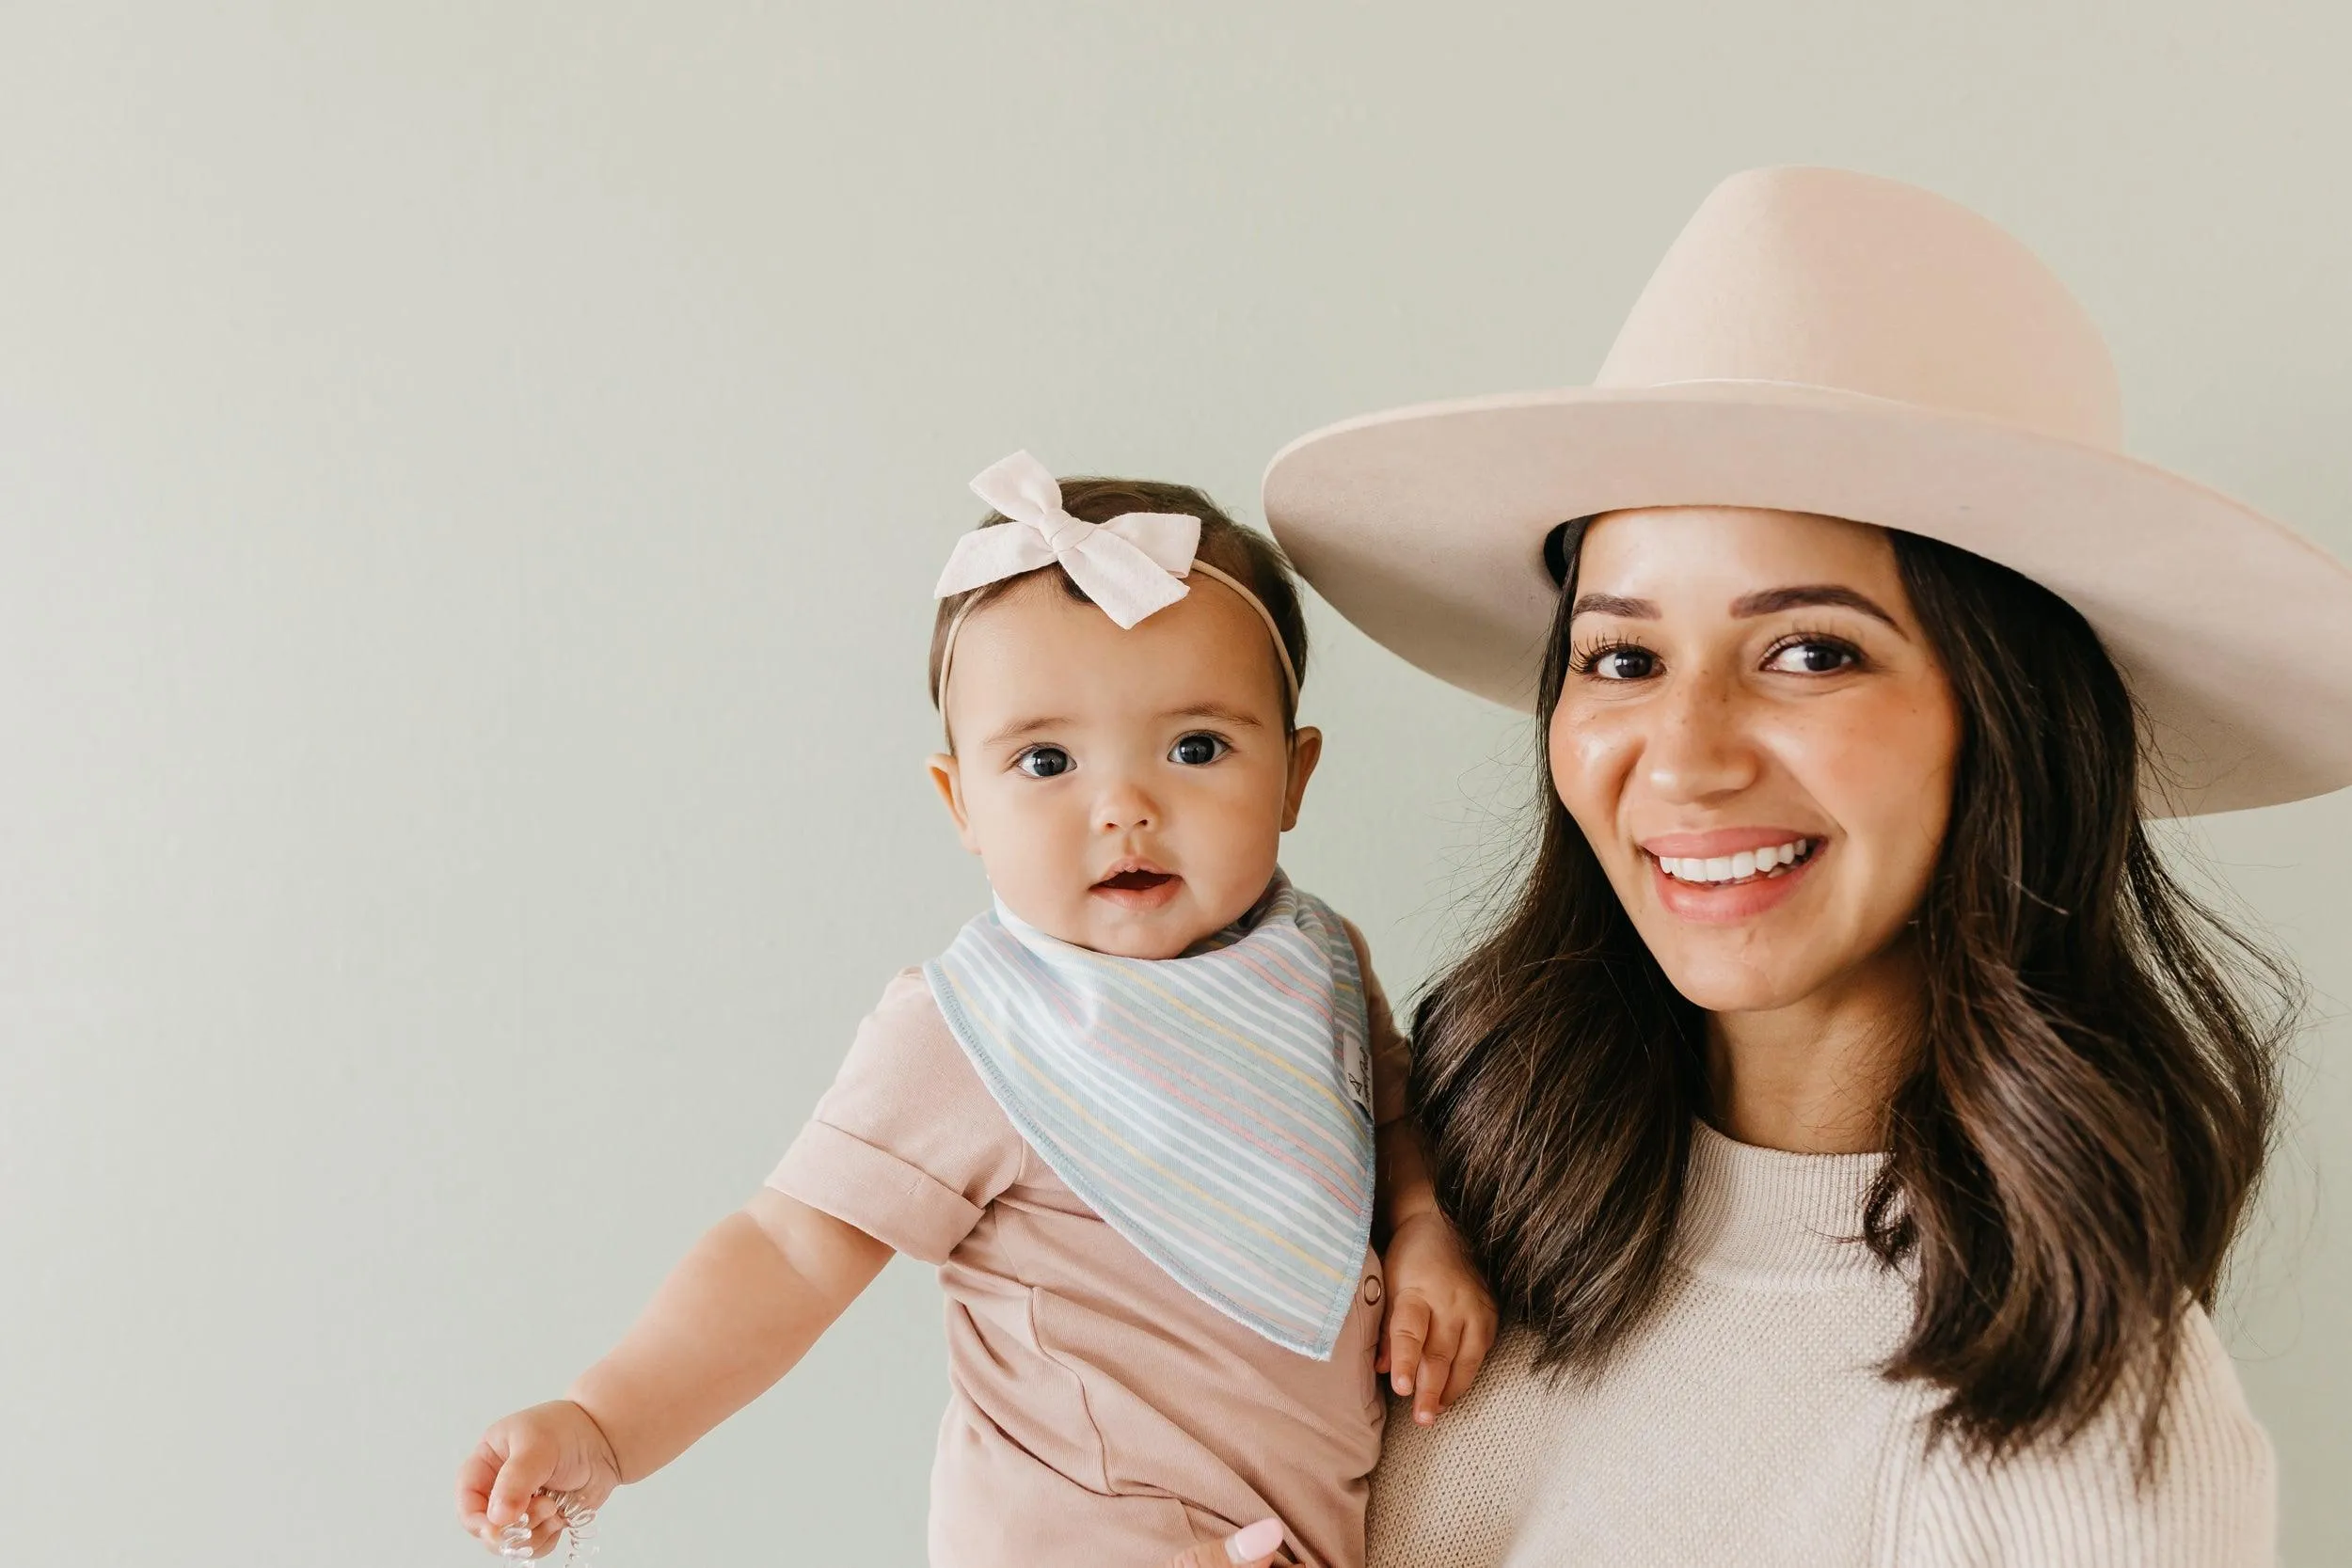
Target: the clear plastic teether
(580, 1524)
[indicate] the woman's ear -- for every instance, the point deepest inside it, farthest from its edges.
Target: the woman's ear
(947, 778)
(1306, 751)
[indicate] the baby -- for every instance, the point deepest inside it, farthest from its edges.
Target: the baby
(1143, 1115)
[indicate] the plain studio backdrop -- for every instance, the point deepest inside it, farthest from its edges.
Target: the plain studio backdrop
(470, 482)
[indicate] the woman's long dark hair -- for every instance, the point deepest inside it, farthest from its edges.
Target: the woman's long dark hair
(2093, 1091)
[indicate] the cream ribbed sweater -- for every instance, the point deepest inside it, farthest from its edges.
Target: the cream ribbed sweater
(1745, 1424)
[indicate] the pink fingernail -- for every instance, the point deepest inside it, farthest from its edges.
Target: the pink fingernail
(1258, 1541)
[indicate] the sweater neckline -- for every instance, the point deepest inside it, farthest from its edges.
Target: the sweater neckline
(1765, 1217)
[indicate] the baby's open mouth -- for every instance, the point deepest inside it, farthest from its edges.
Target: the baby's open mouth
(1136, 882)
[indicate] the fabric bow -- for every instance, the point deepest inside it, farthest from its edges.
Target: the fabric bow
(1129, 566)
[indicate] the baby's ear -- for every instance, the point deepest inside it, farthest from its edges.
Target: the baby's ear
(947, 778)
(1306, 751)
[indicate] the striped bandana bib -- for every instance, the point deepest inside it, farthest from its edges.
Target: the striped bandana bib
(1214, 1109)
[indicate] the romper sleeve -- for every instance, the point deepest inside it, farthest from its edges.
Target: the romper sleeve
(1391, 1054)
(908, 1145)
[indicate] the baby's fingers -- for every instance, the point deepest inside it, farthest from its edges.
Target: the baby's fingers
(1402, 1339)
(475, 1477)
(546, 1527)
(1437, 1367)
(529, 1464)
(1478, 1337)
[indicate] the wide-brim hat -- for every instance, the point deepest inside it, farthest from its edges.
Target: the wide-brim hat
(1830, 343)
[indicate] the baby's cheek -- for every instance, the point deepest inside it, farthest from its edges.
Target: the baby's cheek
(1039, 878)
(1229, 849)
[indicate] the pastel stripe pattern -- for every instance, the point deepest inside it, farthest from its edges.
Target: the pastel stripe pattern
(1214, 1109)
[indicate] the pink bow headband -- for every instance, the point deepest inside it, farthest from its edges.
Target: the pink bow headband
(1129, 566)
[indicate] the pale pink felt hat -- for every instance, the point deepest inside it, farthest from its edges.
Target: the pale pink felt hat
(1823, 342)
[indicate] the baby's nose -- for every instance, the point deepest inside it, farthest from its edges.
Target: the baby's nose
(1124, 809)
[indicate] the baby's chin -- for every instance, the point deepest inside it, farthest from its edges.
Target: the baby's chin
(1161, 934)
(1116, 927)
(1123, 947)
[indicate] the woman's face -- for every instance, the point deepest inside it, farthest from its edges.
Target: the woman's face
(1757, 740)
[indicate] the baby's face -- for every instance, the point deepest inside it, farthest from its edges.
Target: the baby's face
(1127, 791)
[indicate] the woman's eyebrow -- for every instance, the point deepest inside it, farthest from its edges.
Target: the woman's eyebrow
(1610, 604)
(1774, 599)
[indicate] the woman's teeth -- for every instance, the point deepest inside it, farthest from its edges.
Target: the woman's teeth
(1740, 868)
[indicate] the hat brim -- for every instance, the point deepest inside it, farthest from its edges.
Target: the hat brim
(1424, 527)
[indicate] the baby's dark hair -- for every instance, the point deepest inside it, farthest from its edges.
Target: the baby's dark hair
(1241, 553)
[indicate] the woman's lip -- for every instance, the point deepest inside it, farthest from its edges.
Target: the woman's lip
(1723, 841)
(1727, 903)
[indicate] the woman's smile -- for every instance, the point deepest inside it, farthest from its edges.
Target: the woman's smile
(1730, 875)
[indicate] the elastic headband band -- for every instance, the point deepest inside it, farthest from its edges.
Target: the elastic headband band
(1129, 566)
(1265, 616)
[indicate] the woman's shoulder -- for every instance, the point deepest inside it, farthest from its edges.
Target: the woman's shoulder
(2204, 1496)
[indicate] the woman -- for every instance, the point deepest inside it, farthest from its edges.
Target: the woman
(1850, 1108)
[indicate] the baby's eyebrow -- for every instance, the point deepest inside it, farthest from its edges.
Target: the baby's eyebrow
(1021, 727)
(1217, 711)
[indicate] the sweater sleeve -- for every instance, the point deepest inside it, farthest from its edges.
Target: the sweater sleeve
(2210, 1502)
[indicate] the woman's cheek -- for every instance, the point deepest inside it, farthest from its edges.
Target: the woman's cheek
(1882, 772)
(1918, 745)
(1589, 758)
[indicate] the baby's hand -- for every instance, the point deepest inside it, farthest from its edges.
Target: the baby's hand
(546, 1448)
(1440, 1321)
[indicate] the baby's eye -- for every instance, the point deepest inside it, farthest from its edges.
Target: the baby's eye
(1812, 656)
(1197, 749)
(1044, 762)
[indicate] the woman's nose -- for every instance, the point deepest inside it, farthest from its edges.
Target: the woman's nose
(1698, 748)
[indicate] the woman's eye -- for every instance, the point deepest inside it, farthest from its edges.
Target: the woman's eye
(1813, 655)
(1623, 662)
(1044, 762)
(1194, 750)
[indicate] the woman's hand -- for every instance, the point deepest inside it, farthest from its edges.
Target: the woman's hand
(546, 1448)
(1253, 1548)
(1440, 1321)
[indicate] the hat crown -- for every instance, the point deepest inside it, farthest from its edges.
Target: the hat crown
(1823, 278)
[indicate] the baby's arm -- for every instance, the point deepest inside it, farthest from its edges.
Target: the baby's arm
(1440, 1320)
(735, 1315)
